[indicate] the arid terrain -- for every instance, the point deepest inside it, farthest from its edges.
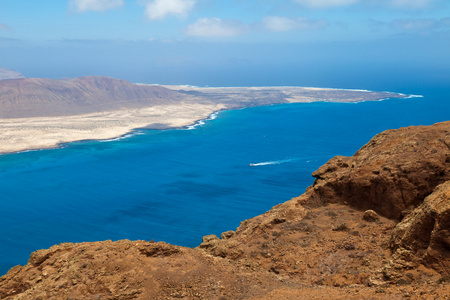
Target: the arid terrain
(372, 226)
(38, 113)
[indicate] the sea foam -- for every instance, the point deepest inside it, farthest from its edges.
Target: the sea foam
(202, 122)
(122, 137)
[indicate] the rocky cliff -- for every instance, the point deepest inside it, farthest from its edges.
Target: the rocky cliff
(426, 231)
(392, 173)
(375, 225)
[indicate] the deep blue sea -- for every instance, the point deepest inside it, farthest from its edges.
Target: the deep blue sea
(179, 185)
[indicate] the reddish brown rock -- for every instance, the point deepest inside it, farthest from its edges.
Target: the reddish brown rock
(299, 258)
(391, 174)
(129, 270)
(426, 231)
(370, 216)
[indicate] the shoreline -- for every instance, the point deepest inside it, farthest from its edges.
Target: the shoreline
(39, 133)
(34, 134)
(132, 132)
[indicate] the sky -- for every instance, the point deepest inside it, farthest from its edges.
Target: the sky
(234, 42)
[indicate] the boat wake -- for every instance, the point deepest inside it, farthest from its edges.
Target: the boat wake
(274, 162)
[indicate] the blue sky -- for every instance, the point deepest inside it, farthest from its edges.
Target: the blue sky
(179, 39)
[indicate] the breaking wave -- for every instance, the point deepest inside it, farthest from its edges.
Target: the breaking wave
(202, 122)
(122, 137)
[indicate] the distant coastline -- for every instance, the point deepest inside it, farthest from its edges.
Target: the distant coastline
(119, 107)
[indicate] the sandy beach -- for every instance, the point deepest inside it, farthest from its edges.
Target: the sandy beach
(22, 134)
(46, 119)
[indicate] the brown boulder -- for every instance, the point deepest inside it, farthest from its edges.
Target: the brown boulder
(391, 174)
(426, 230)
(370, 216)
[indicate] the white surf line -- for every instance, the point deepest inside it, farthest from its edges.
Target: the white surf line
(122, 137)
(212, 116)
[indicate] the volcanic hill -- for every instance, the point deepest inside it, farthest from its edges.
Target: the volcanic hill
(37, 97)
(41, 97)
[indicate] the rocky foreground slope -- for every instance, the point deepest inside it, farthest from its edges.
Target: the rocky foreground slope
(372, 226)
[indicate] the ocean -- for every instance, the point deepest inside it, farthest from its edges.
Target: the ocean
(179, 185)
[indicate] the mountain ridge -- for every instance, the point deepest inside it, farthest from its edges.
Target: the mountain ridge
(37, 97)
(42, 97)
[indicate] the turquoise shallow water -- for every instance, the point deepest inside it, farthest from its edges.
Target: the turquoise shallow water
(178, 185)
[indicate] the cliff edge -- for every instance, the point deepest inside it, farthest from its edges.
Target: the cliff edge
(374, 225)
(392, 173)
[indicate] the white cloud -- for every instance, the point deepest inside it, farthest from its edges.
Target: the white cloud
(5, 27)
(215, 27)
(413, 24)
(444, 23)
(325, 3)
(278, 24)
(159, 9)
(211, 27)
(421, 25)
(414, 4)
(95, 5)
(402, 4)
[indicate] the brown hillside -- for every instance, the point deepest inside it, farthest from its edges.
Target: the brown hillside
(391, 174)
(36, 97)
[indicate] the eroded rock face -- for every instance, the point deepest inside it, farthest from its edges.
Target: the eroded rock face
(128, 270)
(391, 174)
(426, 231)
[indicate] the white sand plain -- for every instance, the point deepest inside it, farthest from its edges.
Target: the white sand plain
(22, 134)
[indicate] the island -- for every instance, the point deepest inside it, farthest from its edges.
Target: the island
(38, 113)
